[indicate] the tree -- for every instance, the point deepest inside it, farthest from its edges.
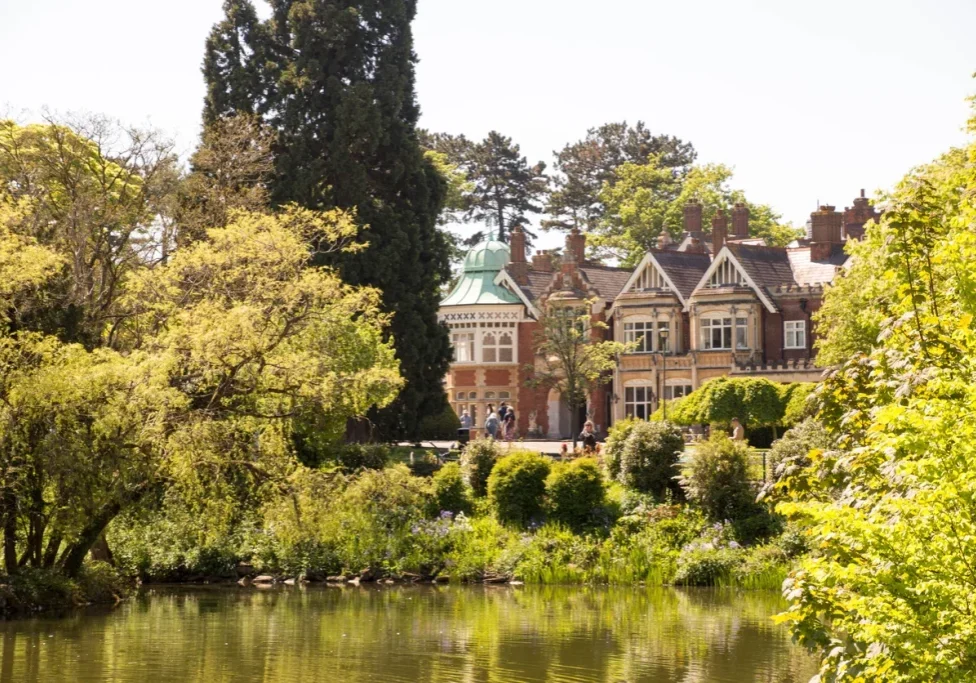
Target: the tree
(95, 194)
(890, 506)
(506, 188)
(230, 170)
(753, 401)
(219, 351)
(648, 198)
(335, 83)
(584, 166)
(573, 360)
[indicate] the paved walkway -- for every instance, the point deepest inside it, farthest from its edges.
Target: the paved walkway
(550, 447)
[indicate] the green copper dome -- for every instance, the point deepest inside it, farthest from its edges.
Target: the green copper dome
(491, 255)
(476, 285)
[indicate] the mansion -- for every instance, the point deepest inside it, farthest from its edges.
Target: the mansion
(713, 303)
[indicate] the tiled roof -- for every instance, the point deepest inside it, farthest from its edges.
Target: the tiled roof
(608, 281)
(807, 272)
(684, 268)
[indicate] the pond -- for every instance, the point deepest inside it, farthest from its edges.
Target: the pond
(411, 633)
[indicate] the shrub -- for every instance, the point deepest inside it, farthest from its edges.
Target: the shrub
(477, 461)
(705, 566)
(575, 492)
(791, 453)
(616, 438)
(444, 425)
(717, 479)
(649, 457)
(356, 456)
(100, 582)
(517, 485)
(424, 464)
(450, 491)
(798, 403)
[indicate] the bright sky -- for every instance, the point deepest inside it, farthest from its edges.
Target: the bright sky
(807, 101)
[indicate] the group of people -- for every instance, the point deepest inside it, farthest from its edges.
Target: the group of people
(499, 424)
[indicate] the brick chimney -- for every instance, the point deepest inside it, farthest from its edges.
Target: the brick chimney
(740, 220)
(825, 229)
(542, 262)
(856, 216)
(576, 243)
(517, 267)
(720, 231)
(693, 216)
(567, 265)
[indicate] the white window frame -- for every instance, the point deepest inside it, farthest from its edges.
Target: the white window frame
(794, 334)
(464, 346)
(721, 324)
(741, 333)
(670, 393)
(638, 401)
(648, 335)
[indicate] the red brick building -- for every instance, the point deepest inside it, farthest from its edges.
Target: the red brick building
(716, 303)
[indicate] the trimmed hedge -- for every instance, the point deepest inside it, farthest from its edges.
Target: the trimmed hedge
(575, 491)
(517, 485)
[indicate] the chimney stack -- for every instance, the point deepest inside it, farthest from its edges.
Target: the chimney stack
(542, 262)
(517, 267)
(720, 231)
(740, 220)
(856, 216)
(576, 243)
(693, 216)
(825, 232)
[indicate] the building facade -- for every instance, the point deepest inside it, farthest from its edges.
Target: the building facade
(714, 303)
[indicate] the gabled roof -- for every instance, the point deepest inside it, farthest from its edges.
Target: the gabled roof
(684, 269)
(748, 262)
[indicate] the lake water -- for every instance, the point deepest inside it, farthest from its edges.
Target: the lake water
(410, 633)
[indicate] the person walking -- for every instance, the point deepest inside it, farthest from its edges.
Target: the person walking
(588, 437)
(509, 426)
(492, 424)
(503, 411)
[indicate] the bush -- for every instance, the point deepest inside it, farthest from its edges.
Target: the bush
(791, 453)
(441, 426)
(704, 566)
(717, 479)
(450, 491)
(477, 461)
(517, 485)
(424, 464)
(649, 457)
(616, 438)
(356, 456)
(575, 492)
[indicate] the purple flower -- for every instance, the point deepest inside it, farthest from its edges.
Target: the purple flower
(447, 514)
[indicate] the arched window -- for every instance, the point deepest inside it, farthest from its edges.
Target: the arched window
(472, 395)
(489, 394)
(489, 348)
(505, 348)
(504, 395)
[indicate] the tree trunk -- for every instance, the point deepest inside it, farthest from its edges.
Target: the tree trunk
(10, 532)
(573, 419)
(74, 555)
(51, 553)
(100, 551)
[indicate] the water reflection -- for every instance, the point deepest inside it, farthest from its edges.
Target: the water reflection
(470, 635)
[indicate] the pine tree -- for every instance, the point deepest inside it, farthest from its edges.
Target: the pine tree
(335, 81)
(584, 166)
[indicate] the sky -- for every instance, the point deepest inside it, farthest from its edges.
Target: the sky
(808, 102)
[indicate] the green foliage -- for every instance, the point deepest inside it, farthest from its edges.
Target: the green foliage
(575, 492)
(359, 456)
(517, 485)
(649, 457)
(477, 460)
(647, 199)
(441, 426)
(798, 404)
(584, 167)
(791, 454)
(354, 66)
(754, 401)
(614, 446)
(450, 491)
(889, 507)
(717, 479)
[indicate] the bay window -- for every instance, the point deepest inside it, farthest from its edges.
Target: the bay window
(650, 337)
(463, 343)
(717, 333)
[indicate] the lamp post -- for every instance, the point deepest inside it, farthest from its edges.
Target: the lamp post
(663, 344)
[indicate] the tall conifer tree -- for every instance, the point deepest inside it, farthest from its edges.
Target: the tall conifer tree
(335, 80)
